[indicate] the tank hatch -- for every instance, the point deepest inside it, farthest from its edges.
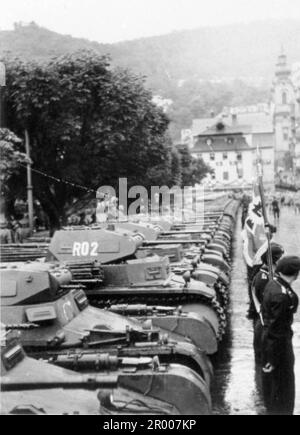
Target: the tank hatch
(149, 231)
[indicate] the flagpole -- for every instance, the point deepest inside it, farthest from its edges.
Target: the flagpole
(265, 215)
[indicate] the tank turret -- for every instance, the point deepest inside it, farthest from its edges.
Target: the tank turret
(90, 244)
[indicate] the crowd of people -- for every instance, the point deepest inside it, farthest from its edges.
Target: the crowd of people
(273, 304)
(107, 209)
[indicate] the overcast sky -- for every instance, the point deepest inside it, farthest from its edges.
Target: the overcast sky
(116, 20)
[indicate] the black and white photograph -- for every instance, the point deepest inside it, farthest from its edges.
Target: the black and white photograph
(150, 210)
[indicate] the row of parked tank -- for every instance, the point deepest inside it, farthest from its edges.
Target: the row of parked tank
(118, 319)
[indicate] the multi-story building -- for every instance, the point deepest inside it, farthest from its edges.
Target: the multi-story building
(296, 82)
(231, 151)
(274, 128)
(285, 110)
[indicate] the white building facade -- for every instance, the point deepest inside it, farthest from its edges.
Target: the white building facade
(233, 155)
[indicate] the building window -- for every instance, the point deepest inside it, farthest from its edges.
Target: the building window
(225, 176)
(240, 172)
(284, 98)
(212, 156)
(209, 142)
(225, 156)
(285, 134)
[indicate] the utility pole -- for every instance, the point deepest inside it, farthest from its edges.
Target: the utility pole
(29, 182)
(2, 94)
(2, 125)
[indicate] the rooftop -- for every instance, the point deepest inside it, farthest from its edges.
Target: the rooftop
(246, 123)
(260, 122)
(200, 125)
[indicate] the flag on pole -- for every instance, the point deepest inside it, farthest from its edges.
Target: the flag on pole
(254, 234)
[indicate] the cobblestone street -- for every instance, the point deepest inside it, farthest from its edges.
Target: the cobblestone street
(236, 390)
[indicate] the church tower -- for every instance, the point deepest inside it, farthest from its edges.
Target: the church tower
(284, 100)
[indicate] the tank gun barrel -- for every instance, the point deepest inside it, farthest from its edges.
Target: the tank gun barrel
(89, 360)
(71, 382)
(126, 309)
(20, 326)
(178, 241)
(103, 336)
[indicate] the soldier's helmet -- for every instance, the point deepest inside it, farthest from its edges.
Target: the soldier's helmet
(277, 253)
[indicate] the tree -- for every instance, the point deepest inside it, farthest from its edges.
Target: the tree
(11, 160)
(176, 168)
(88, 124)
(193, 170)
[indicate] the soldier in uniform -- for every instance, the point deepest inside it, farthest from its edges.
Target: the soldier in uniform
(258, 286)
(17, 230)
(5, 233)
(280, 303)
(276, 209)
(246, 200)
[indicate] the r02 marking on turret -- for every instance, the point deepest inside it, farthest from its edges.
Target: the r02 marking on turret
(85, 249)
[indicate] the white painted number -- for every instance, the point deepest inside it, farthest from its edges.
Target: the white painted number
(85, 249)
(94, 249)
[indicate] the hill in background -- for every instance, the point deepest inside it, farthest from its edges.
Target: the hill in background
(219, 55)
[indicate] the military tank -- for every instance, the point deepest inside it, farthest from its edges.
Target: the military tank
(131, 280)
(174, 307)
(44, 282)
(121, 251)
(57, 324)
(209, 265)
(128, 280)
(30, 386)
